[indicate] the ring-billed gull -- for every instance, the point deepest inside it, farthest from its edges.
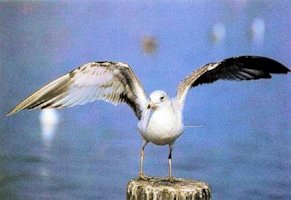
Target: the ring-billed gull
(160, 117)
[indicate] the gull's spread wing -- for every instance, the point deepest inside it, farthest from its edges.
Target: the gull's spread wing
(236, 68)
(114, 82)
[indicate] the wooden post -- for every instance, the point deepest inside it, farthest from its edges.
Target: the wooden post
(162, 189)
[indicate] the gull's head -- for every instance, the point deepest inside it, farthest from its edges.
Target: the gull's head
(157, 99)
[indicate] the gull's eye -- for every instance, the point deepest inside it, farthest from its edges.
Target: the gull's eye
(162, 98)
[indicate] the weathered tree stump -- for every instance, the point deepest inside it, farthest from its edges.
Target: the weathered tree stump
(163, 189)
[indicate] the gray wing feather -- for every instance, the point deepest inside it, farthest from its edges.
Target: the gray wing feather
(114, 82)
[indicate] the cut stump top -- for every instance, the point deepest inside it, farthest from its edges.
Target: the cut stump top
(159, 189)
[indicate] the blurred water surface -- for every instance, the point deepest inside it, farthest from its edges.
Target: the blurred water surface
(243, 150)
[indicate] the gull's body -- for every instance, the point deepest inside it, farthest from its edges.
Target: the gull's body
(163, 125)
(160, 117)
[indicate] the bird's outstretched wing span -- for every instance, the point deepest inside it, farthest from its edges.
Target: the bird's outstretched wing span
(235, 68)
(114, 82)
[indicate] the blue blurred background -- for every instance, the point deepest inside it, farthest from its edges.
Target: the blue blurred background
(244, 148)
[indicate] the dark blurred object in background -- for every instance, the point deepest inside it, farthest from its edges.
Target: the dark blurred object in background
(149, 44)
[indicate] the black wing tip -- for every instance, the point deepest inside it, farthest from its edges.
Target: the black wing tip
(269, 64)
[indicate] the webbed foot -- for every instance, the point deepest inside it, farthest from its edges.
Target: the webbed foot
(170, 179)
(144, 177)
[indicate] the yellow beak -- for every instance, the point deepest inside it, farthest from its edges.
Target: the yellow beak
(152, 105)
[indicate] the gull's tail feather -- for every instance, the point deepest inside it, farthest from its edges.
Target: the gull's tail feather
(194, 126)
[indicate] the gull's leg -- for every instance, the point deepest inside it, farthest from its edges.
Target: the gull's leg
(141, 174)
(170, 162)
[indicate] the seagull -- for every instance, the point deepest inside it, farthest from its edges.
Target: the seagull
(160, 117)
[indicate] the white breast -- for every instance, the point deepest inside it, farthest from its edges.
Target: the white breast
(161, 126)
